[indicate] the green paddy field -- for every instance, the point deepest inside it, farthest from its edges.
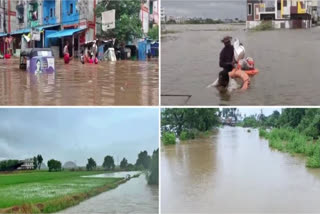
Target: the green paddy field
(42, 191)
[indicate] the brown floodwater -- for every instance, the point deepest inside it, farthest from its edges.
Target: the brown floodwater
(108, 83)
(134, 196)
(235, 172)
(287, 60)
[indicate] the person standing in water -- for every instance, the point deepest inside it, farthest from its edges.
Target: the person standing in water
(66, 54)
(226, 60)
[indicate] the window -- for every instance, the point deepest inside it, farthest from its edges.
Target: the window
(71, 9)
(249, 9)
(284, 3)
(51, 12)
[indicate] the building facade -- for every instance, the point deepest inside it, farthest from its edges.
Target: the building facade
(27, 164)
(21, 18)
(282, 13)
(149, 14)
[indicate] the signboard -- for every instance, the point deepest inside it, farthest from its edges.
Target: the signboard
(108, 20)
(12, 13)
(36, 35)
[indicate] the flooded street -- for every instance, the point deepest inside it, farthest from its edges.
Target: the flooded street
(235, 171)
(108, 83)
(134, 196)
(287, 60)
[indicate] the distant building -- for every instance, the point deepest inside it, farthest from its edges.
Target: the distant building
(27, 164)
(282, 13)
(163, 15)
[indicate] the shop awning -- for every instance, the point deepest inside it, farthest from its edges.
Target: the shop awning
(3, 34)
(47, 26)
(64, 33)
(22, 31)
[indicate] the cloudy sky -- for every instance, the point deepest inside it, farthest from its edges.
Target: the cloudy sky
(253, 111)
(219, 9)
(77, 134)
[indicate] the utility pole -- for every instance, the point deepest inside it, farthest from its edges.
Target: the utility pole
(4, 18)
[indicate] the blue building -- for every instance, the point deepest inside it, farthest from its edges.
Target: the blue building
(69, 14)
(49, 12)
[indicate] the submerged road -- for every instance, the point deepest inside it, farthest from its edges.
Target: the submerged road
(108, 83)
(287, 60)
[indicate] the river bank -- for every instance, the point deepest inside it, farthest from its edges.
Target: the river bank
(134, 196)
(292, 142)
(237, 166)
(47, 192)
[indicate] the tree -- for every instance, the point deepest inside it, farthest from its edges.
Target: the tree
(154, 33)
(154, 169)
(9, 165)
(35, 162)
(143, 160)
(54, 165)
(123, 164)
(39, 159)
(177, 120)
(108, 163)
(91, 164)
(128, 23)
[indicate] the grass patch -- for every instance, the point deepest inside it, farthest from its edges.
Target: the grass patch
(194, 133)
(293, 142)
(165, 32)
(264, 26)
(49, 192)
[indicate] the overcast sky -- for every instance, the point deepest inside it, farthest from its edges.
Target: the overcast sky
(219, 9)
(77, 134)
(253, 111)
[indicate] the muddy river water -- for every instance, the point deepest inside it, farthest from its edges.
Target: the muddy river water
(134, 196)
(108, 83)
(288, 61)
(235, 171)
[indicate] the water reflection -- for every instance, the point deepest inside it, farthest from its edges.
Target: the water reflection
(134, 196)
(108, 83)
(190, 62)
(235, 171)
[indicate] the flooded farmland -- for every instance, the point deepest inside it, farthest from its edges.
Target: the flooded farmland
(108, 83)
(134, 196)
(287, 60)
(235, 171)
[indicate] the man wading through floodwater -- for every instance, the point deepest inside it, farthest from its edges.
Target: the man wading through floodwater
(228, 63)
(227, 55)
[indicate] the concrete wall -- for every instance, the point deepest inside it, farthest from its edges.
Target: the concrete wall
(144, 16)
(278, 24)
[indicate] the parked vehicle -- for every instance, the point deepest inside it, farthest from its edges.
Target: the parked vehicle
(37, 60)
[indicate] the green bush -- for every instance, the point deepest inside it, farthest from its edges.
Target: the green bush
(154, 33)
(263, 133)
(168, 138)
(184, 135)
(313, 161)
(265, 25)
(189, 134)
